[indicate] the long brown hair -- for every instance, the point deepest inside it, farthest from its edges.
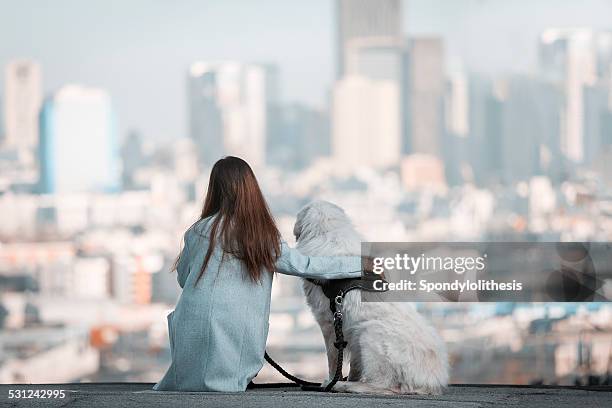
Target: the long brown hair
(243, 224)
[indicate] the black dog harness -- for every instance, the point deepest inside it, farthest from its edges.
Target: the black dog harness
(335, 290)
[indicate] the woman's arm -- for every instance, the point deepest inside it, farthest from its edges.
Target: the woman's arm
(182, 268)
(292, 262)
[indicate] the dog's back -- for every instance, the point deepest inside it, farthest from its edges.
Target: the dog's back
(412, 354)
(323, 229)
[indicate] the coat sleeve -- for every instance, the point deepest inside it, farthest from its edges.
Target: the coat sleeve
(292, 262)
(182, 268)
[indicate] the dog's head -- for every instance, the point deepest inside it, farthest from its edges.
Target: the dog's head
(319, 218)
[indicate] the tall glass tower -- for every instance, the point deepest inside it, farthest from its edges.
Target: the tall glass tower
(78, 142)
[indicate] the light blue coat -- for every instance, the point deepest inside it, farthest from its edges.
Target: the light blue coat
(218, 329)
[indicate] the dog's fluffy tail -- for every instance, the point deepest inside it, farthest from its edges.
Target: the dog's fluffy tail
(359, 387)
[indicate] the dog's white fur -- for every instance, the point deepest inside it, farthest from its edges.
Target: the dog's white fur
(391, 348)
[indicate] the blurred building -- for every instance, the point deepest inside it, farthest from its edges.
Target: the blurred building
(205, 119)
(603, 44)
(23, 94)
(529, 129)
(185, 160)
(299, 135)
(455, 141)
(78, 149)
(2, 127)
(425, 104)
(131, 280)
(597, 111)
(228, 105)
(363, 24)
(576, 59)
(493, 135)
(423, 172)
(48, 264)
(91, 278)
(367, 98)
(46, 355)
(366, 123)
(133, 158)
(480, 143)
(458, 104)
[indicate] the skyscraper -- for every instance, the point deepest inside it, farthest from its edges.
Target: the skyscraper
(78, 144)
(366, 127)
(367, 98)
(425, 103)
(455, 146)
(483, 131)
(568, 56)
(228, 104)
(604, 56)
(132, 158)
(23, 88)
(596, 111)
(457, 104)
(205, 121)
(529, 128)
(301, 135)
(365, 24)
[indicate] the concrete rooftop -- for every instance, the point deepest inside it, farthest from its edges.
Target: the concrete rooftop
(92, 395)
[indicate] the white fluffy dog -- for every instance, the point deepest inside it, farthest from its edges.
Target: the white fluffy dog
(391, 348)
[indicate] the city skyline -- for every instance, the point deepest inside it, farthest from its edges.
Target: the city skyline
(137, 54)
(393, 97)
(413, 146)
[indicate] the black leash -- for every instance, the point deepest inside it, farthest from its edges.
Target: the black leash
(286, 374)
(340, 344)
(336, 307)
(335, 291)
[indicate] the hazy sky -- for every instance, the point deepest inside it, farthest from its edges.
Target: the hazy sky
(139, 50)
